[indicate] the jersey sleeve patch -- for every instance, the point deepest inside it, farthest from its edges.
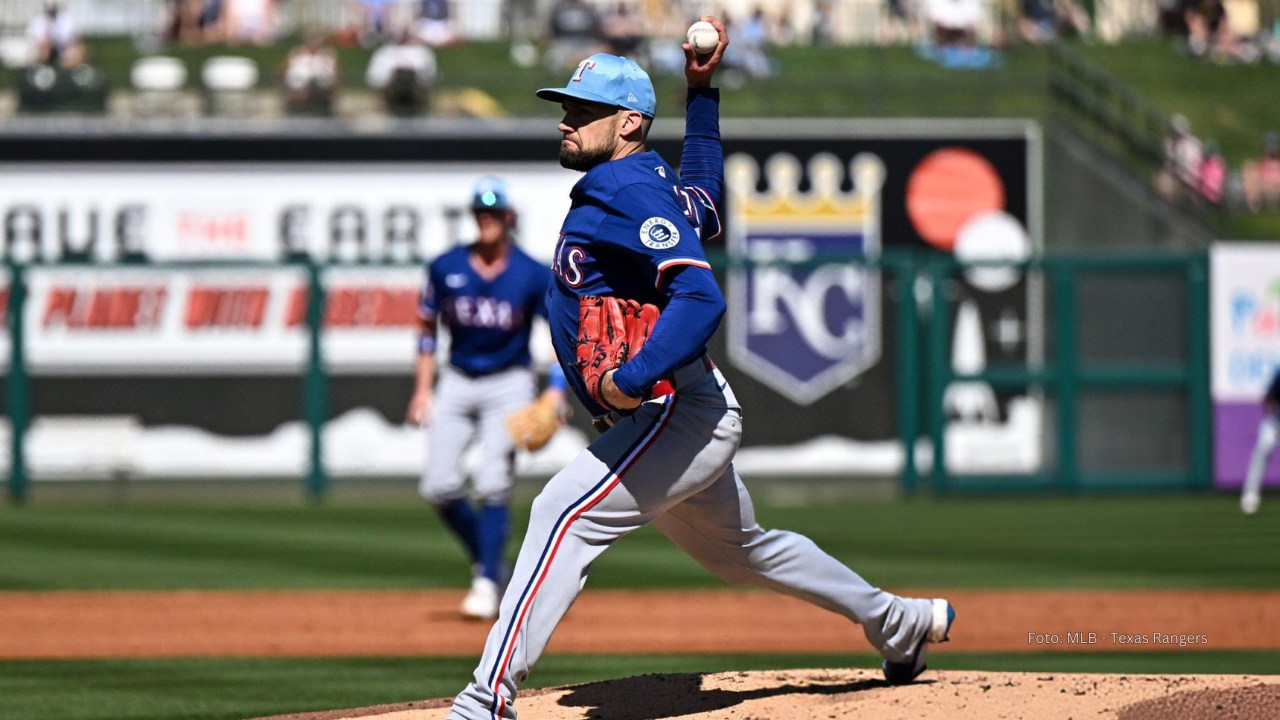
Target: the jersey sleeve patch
(659, 233)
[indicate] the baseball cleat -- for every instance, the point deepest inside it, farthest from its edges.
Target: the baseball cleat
(481, 602)
(904, 672)
(1249, 503)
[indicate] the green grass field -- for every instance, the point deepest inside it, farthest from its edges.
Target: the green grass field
(1198, 541)
(1144, 542)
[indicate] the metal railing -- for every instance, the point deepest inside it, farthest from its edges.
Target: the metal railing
(1113, 116)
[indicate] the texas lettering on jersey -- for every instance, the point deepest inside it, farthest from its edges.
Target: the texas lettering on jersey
(489, 320)
(482, 312)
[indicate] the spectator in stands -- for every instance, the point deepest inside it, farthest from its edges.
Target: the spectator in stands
(54, 37)
(211, 21)
(1183, 154)
(897, 24)
(1240, 39)
(435, 24)
(824, 22)
(754, 40)
(1043, 21)
(576, 33)
(954, 22)
(1205, 26)
(954, 27)
(374, 20)
(1212, 178)
(1184, 150)
(252, 21)
(1260, 176)
(310, 75)
(404, 71)
(1172, 17)
(1038, 22)
(182, 20)
(623, 30)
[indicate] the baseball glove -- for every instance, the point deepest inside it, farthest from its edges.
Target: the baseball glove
(532, 426)
(610, 332)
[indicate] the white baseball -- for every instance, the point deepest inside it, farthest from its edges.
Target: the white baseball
(703, 36)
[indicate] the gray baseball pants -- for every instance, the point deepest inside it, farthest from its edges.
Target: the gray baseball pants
(669, 463)
(1268, 431)
(466, 409)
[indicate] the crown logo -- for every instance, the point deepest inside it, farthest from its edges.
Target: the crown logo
(824, 204)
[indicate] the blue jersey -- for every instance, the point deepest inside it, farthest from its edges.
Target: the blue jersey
(489, 321)
(635, 230)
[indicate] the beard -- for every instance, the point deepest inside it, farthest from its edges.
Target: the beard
(583, 159)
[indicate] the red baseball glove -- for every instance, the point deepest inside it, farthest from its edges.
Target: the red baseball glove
(610, 332)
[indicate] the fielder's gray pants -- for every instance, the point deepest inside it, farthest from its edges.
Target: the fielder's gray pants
(1268, 429)
(669, 463)
(468, 409)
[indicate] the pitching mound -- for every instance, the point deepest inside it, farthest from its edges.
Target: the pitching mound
(810, 694)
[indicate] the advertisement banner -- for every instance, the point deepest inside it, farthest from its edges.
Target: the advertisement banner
(212, 321)
(1245, 351)
(108, 212)
(813, 345)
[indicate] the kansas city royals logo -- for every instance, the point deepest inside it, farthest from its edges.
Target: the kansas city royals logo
(801, 326)
(659, 233)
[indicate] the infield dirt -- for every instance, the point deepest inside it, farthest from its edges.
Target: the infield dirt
(405, 622)
(352, 623)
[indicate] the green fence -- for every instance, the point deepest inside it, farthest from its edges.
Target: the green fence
(1063, 374)
(921, 331)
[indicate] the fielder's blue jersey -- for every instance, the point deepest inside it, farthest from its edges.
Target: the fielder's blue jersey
(635, 230)
(489, 321)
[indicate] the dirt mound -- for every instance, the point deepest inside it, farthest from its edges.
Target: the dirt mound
(808, 694)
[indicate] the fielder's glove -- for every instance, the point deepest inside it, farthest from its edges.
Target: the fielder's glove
(532, 426)
(610, 332)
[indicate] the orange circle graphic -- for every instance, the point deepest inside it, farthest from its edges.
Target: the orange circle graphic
(947, 188)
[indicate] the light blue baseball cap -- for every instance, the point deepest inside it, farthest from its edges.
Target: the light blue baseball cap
(490, 194)
(610, 80)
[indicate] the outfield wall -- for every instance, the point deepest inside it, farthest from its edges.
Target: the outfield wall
(159, 271)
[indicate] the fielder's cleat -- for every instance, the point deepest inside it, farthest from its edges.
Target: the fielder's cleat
(1249, 503)
(481, 602)
(904, 672)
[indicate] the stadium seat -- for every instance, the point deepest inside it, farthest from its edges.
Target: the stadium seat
(230, 84)
(157, 83)
(16, 51)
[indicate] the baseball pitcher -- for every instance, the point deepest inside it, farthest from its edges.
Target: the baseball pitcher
(632, 306)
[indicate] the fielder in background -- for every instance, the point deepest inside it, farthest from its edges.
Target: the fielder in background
(487, 294)
(634, 302)
(1268, 429)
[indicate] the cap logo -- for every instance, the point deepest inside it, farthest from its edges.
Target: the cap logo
(659, 233)
(583, 66)
(631, 97)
